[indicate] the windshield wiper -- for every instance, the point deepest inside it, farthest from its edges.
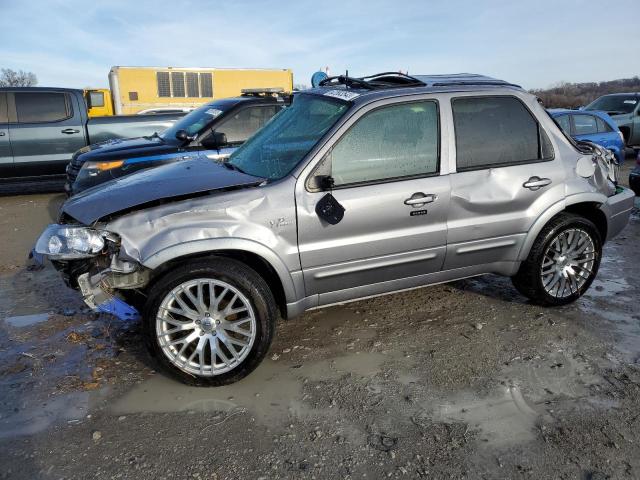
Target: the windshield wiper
(151, 137)
(231, 166)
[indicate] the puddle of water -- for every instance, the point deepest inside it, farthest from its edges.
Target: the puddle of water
(607, 287)
(273, 392)
(611, 297)
(560, 373)
(503, 419)
(32, 419)
(26, 320)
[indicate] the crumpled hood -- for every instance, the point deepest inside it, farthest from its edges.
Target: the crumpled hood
(175, 180)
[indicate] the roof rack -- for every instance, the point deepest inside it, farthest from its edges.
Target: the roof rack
(387, 79)
(373, 82)
(271, 91)
(401, 80)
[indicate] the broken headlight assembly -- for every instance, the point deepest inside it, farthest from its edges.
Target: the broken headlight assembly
(66, 242)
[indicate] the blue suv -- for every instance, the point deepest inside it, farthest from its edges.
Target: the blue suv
(593, 126)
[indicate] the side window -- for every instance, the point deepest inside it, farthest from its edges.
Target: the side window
(36, 107)
(246, 122)
(164, 87)
(585, 124)
(97, 99)
(496, 131)
(603, 127)
(4, 118)
(389, 142)
(565, 123)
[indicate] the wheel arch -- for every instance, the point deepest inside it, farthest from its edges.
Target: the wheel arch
(261, 259)
(585, 204)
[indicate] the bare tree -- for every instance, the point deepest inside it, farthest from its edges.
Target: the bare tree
(11, 78)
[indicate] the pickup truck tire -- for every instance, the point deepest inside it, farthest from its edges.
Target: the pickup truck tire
(562, 263)
(210, 322)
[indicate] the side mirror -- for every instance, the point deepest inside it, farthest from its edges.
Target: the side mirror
(324, 182)
(215, 140)
(182, 135)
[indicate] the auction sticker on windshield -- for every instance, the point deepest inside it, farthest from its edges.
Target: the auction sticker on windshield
(214, 112)
(342, 94)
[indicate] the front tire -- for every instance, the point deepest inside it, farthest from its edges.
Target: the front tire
(210, 322)
(562, 263)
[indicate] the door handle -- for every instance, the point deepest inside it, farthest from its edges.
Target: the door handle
(536, 183)
(70, 131)
(2, 134)
(418, 199)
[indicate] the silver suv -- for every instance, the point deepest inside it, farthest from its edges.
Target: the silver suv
(362, 187)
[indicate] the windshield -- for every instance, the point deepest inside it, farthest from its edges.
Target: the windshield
(283, 142)
(196, 120)
(615, 103)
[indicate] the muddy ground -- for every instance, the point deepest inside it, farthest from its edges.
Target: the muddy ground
(462, 380)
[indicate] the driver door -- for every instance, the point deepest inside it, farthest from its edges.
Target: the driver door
(385, 169)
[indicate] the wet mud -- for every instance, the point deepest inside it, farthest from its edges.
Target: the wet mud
(463, 380)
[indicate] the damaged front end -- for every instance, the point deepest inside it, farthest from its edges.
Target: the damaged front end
(91, 260)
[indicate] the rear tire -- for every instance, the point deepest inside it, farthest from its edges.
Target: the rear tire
(210, 322)
(562, 263)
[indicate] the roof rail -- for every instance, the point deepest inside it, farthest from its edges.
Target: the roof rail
(461, 79)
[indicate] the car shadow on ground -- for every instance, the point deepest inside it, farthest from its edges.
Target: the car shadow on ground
(492, 286)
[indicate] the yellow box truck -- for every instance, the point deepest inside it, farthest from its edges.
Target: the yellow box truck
(136, 89)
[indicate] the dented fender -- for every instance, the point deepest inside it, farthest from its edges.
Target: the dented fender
(259, 220)
(292, 291)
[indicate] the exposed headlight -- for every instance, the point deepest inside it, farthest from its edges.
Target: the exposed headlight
(66, 242)
(103, 166)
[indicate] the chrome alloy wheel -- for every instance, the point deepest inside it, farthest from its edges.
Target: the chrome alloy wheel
(568, 263)
(205, 327)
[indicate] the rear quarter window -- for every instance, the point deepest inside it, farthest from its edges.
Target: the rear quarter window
(603, 127)
(41, 107)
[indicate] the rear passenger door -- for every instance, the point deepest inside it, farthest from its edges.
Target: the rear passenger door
(46, 129)
(6, 157)
(506, 176)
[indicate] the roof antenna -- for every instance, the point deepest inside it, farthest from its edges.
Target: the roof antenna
(346, 79)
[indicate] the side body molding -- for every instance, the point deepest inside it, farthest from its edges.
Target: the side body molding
(291, 283)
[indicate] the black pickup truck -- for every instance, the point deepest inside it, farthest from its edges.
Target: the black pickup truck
(41, 128)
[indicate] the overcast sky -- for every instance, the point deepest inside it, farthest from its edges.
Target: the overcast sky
(534, 43)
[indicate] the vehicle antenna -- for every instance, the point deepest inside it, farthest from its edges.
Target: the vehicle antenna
(346, 79)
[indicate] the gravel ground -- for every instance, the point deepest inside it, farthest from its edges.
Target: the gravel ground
(462, 380)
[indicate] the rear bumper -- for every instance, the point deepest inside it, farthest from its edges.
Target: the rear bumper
(618, 208)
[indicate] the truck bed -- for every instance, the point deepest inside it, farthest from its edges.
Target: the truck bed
(100, 129)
